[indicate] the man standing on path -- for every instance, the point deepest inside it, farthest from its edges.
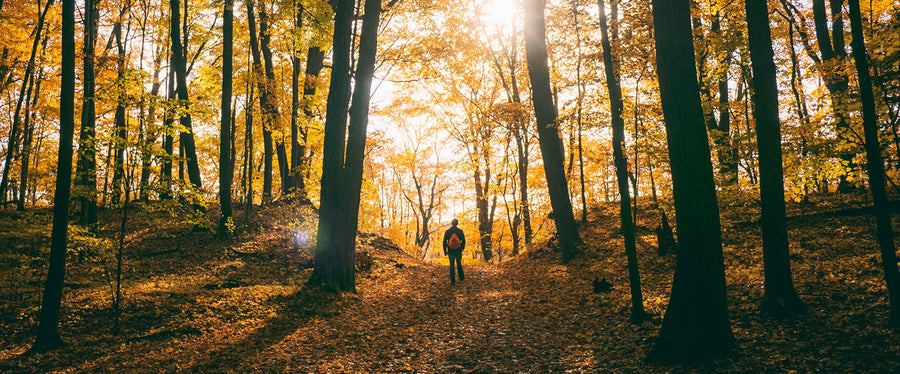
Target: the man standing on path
(454, 243)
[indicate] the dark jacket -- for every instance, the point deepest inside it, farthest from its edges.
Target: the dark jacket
(459, 233)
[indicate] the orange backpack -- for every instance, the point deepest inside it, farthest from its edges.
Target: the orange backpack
(454, 241)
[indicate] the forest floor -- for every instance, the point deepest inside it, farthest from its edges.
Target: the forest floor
(193, 303)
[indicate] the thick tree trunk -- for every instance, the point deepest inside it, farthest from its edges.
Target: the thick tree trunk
(836, 80)
(696, 325)
(187, 136)
(780, 296)
(618, 139)
(547, 127)
(335, 255)
(876, 166)
(48, 322)
(226, 167)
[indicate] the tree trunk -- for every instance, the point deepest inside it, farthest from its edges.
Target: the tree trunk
(248, 150)
(836, 79)
(876, 166)
(295, 178)
(547, 127)
(120, 137)
(168, 139)
(521, 134)
(30, 123)
(485, 224)
(259, 78)
(342, 181)
(86, 169)
(315, 61)
(726, 153)
(13, 145)
(618, 140)
(269, 109)
(226, 167)
(695, 326)
(578, 82)
(780, 296)
(187, 136)
(48, 322)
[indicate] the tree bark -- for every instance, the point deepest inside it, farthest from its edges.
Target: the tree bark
(226, 167)
(13, 144)
(342, 173)
(48, 322)
(264, 104)
(780, 297)
(695, 326)
(315, 61)
(270, 108)
(618, 140)
(726, 153)
(295, 178)
(836, 80)
(187, 136)
(120, 137)
(876, 166)
(30, 119)
(548, 128)
(168, 139)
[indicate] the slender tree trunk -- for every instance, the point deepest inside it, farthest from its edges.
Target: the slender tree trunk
(521, 133)
(485, 223)
(259, 78)
(295, 178)
(30, 123)
(780, 296)
(226, 167)
(48, 321)
(578, 82)
(618, 139)
(342, 177)
(548, 134)
(269, 108)
(876, 166)
(13, 145)
(726, 153)
(168, 139)
(120, 138)
(695, 326)
(86, 169)
(248, 155)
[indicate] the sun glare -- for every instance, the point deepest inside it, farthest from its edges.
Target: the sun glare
(499, 13)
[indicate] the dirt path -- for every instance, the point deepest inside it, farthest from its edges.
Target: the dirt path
(500, 319)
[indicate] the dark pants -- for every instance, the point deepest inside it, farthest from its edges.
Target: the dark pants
(456, 258)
